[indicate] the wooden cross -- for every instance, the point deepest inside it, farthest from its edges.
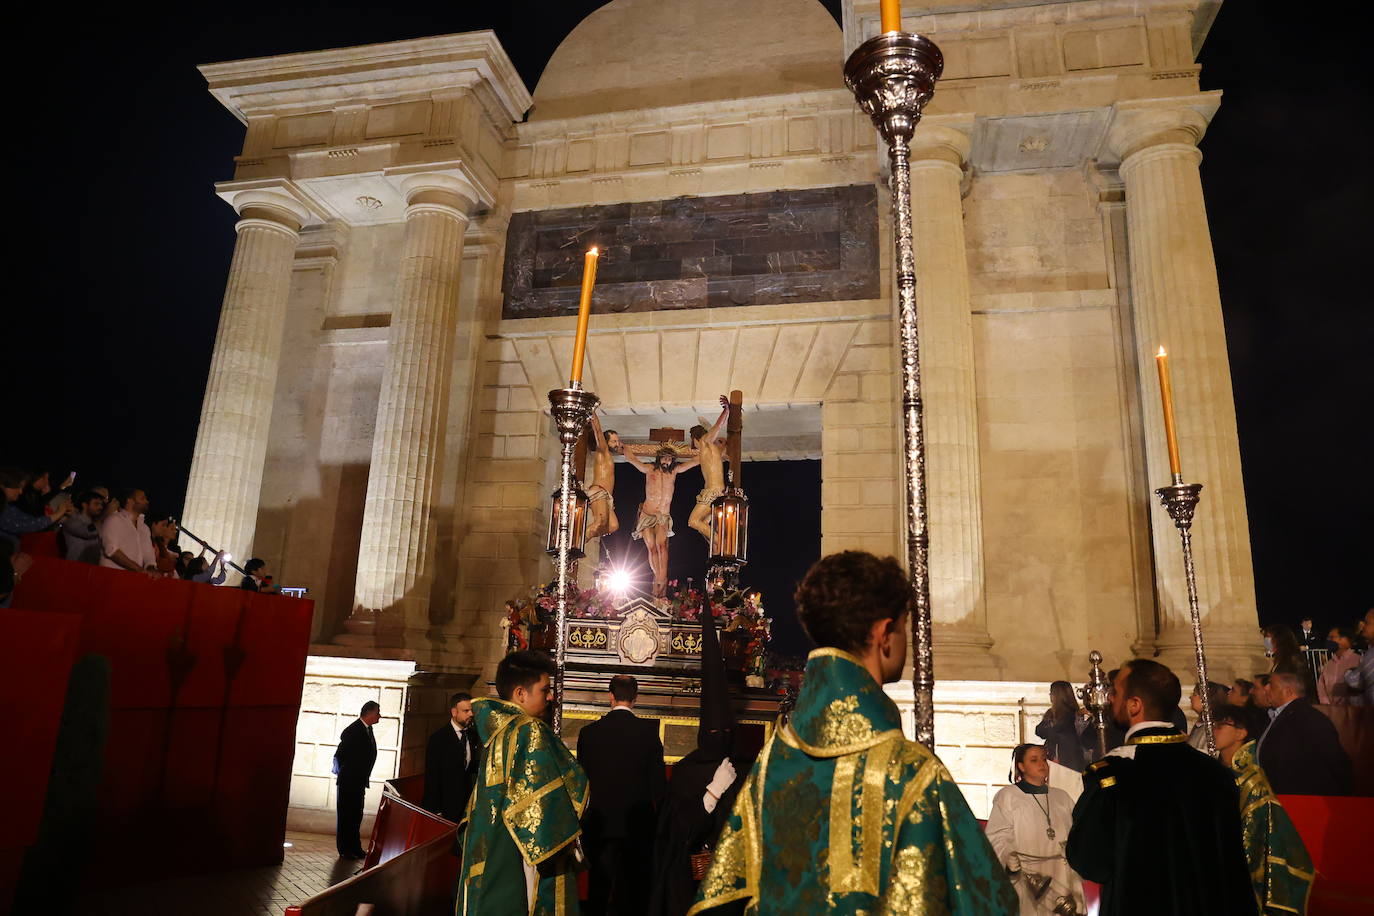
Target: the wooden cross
(667, 434)
(734, 435)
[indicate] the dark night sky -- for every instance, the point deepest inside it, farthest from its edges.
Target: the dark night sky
(127, 248)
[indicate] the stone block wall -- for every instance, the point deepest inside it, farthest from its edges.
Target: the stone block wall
(977, 725)
(860, 448)
(334, 692)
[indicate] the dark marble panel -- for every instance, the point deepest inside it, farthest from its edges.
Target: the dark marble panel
(765, 248)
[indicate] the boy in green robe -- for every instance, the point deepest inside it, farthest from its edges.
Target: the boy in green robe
(840, 813)
(522, 820)
(1280, 868)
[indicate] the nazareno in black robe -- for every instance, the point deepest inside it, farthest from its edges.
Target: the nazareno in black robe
(684, 825)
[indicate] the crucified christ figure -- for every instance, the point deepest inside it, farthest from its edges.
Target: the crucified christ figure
(655, 523)
(606, 445)
(711, 453)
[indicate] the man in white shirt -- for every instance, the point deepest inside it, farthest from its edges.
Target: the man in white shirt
(125, 541)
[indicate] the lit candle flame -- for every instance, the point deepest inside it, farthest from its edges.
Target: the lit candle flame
(1160, 353)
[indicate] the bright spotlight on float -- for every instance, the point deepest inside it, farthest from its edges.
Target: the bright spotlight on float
(618, 582)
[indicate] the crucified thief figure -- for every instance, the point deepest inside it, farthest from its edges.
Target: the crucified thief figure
(606, 445)
(655, 523)
(711, 454)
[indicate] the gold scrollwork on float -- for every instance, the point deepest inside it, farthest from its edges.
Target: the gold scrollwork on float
(688, 643)
(587, 638)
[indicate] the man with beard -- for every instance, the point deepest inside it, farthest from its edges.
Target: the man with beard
(703, 788)
(1158, 824)
(451, 761)
(655, 523)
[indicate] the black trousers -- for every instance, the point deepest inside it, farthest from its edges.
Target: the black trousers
(618, 877)
(349, 805)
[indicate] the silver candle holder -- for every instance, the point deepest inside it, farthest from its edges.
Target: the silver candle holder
(1180, 501)
(893, 76)
(572, 409)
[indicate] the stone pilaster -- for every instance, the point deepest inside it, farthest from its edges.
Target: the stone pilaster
(231, 445)
(395, 558)
(949, 396)
(1176, 303)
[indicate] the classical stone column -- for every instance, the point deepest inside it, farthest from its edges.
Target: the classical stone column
(231, 445)
(1176, 303)
(395, 559)
(958, 605)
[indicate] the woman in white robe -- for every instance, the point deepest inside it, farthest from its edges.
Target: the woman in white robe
(1027, 828)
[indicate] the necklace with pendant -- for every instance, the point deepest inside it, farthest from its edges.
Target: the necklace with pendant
(1045, 809)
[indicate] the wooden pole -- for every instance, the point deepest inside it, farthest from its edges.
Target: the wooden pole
(734, 431)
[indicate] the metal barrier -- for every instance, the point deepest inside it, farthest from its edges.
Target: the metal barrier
(1316, 660)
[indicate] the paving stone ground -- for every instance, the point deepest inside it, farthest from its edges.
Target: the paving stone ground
(310, 866)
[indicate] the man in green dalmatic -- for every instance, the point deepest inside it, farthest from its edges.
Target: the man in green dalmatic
(522, 822)
(840, 813)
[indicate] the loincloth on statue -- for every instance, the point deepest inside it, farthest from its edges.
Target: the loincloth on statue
(708, 495)
(596, 493)
(648, 520)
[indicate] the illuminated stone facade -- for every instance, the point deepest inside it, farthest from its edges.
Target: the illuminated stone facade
(379, 398)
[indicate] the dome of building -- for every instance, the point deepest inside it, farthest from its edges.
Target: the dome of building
(633, 54)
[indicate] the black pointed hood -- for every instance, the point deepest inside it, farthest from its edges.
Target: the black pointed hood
(716, 723)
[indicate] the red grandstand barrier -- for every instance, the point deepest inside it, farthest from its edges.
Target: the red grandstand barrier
(205, 688)
(1336, 834)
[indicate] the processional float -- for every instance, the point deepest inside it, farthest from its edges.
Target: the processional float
(572, 409)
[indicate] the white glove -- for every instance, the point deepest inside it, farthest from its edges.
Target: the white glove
(724, 778)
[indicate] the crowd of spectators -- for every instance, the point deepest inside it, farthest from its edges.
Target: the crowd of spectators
(1296, 744)
(97, 526)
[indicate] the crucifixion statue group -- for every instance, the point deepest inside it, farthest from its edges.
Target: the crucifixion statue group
(660, 460)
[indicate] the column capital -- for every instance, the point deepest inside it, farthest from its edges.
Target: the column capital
(274, 202)
(943, 139)
(447, 186)
(1139, 124)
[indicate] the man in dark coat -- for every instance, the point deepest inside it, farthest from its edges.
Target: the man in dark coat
(1301, 751)
(353, 762)
(1309, 637)
(702, 792)
(451, 761)
(1158, 824)
(623, 758)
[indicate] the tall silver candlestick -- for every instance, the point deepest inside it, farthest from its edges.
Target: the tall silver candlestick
(893, 76)
(1180, 500)
(572, 409)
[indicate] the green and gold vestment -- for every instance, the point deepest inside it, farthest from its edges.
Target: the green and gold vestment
(842, 814)
(1279, 864)
(524, 809)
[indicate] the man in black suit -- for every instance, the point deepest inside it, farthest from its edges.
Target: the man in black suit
(451, 761)
(1301, 751)
(1309, 637)
(1158, 824)
(623, 757)
(353, 763)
